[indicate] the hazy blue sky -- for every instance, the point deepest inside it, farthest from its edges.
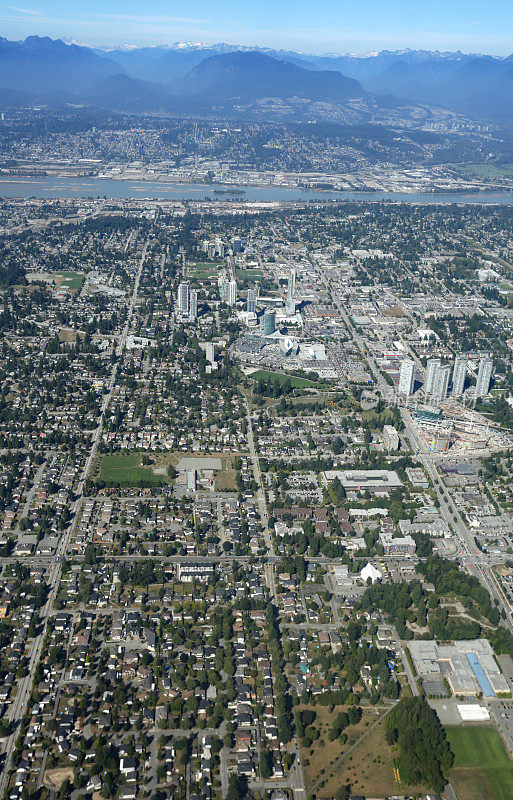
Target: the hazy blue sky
(309, 25)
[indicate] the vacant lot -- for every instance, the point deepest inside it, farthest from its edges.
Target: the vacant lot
(482, 768)
(225, 480)
(319, 757)
(54, 778)
(369, 768)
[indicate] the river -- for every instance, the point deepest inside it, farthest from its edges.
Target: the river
(51, 187)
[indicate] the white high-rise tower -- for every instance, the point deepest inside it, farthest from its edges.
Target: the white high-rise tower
(193, 304)
(407, 377)
(484, 377)
(209, 352)
(183, 298)
(433, 365)
(459, 374)
(231, 297)
(441, 383)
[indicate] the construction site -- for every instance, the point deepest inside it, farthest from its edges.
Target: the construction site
(457, 429)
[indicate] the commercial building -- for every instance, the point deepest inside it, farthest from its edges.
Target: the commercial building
(288, 346)
(417, 477)
(484, 376)
(191, 480)
(459, 374)
(375, 480)
(407, 377)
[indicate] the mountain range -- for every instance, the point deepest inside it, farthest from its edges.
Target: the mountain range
(223, 78)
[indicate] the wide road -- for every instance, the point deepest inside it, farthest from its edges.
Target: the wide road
(406, 664)
(295, 780)
(448, 510)
(262, 506)
(470, 556)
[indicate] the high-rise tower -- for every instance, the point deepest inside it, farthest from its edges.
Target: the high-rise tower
(484, 377)
(459, 374)
(433, 365)
(407, 377)
(183, 298)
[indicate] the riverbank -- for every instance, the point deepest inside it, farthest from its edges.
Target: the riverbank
(51, 187)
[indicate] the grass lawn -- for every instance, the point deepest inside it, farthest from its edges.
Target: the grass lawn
(482, 768)
(296, 383)
(127, 470)
(386, 415)
(486, 170)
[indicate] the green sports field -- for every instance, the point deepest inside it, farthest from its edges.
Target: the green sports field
(482, 768)
(250, 274)
(126, 470)
(203, 269)
(71, 280)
